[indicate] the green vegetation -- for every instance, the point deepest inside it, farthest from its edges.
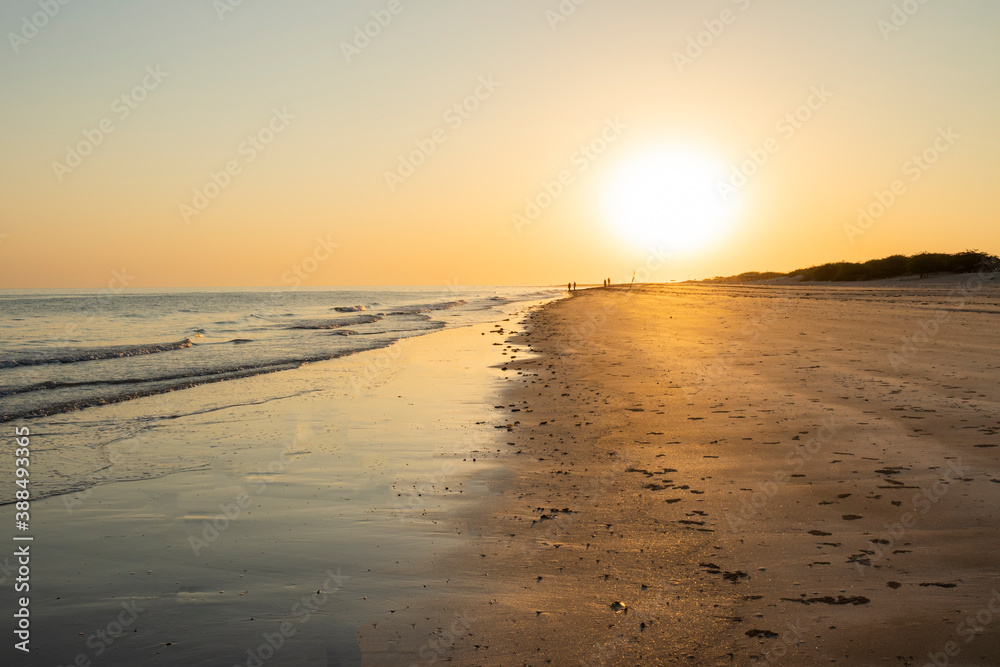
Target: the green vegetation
(894, 266)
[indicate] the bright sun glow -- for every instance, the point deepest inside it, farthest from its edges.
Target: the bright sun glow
(669, 199)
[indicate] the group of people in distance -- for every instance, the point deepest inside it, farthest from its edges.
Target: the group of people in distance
(571, 287)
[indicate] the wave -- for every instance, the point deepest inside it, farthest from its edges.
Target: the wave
(94, 401)
(337, 323)
(165, 384)
(49, 385)
(351, 309)
(426, 325)
(428, 307)
(76, 355)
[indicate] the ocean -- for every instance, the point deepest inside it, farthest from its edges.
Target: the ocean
(77, 361)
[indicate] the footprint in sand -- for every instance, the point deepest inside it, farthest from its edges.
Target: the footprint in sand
(839, 600)
(762, 633)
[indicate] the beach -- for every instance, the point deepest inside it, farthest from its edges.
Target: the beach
(258, 520)
(683, 474)
(408, 334)
(739, 475)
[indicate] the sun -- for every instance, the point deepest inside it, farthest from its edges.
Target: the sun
(669, 199)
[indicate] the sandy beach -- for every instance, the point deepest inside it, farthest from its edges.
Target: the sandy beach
(735, 475)
(403, 334)
(687, 474)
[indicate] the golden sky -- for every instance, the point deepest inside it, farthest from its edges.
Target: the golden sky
(396, 142)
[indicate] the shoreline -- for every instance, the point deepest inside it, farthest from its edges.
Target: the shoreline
(323, 509)
(668, 475)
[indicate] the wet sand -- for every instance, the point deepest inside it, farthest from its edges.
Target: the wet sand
(321, 511)
(734, 475)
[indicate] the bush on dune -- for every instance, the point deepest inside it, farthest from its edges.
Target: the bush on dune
(894, 266)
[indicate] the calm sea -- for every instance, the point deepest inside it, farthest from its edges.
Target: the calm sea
(65, 352)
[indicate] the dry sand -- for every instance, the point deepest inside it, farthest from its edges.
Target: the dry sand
(731, 475)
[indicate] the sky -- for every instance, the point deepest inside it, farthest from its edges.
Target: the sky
(175, 143)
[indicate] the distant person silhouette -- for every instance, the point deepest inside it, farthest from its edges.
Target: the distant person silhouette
(574, 286)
